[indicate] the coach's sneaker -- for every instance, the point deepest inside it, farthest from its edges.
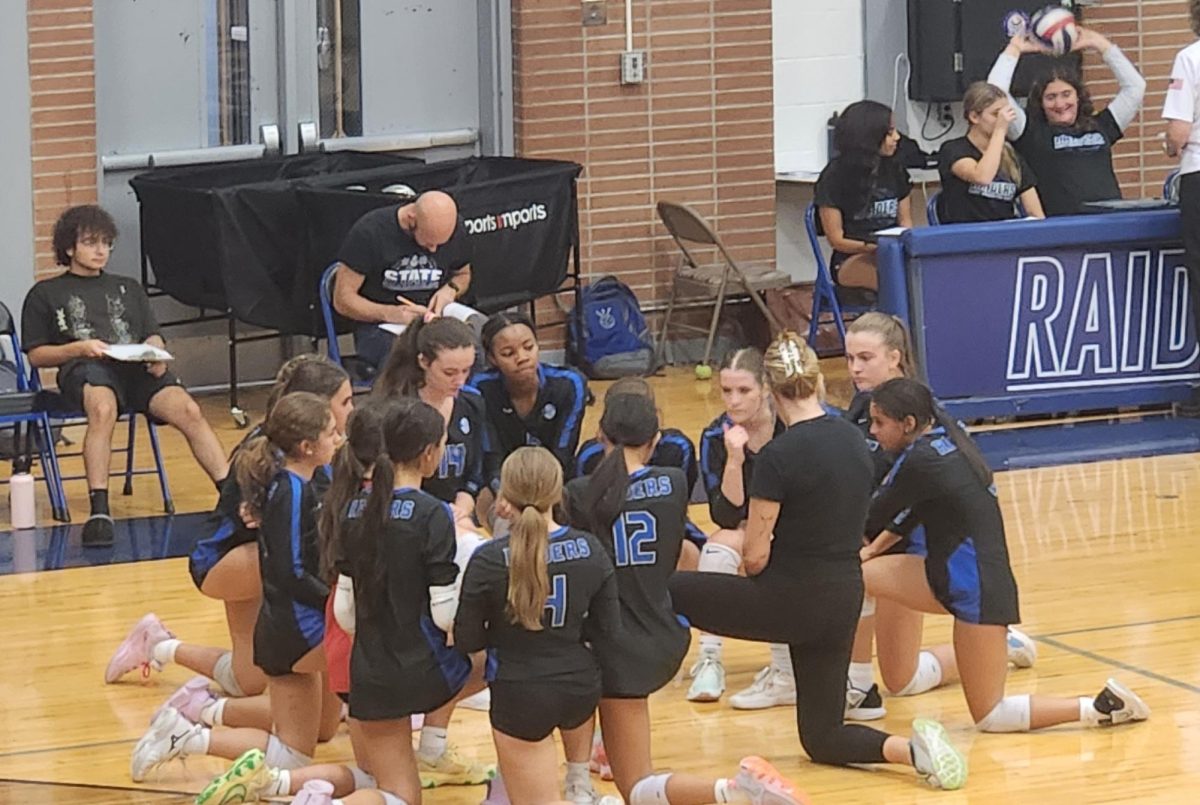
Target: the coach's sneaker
(190, 699)
(1118, 704)
(764, 785)
(137, 649)
(166, 740)
(245, 781)
(598, 762)
(315, 792)
(935, 758)
(864, 705)
(1022, 651)
(481, 701)
(708, 682)
(773, 687)
(453, 769)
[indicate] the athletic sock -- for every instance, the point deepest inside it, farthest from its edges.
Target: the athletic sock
(726, 790)
(1088, 714)
(710, 646)
(280, 785)
(781, 659)
(577, 774)
(862, 675)
(163, 652)
(98, 499)
(197, 742)
(433, 743)
(213, 713)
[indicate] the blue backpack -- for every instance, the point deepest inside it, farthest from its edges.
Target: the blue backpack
(614, 340)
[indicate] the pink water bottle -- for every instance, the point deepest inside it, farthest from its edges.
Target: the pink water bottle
(21, 502)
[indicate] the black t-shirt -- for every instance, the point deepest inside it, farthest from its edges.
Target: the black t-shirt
(417, 547)
(644, 545)
(821, 474)
(674, 449)
(962, 202)
(1075, 165)
(712, 463)
(70, 308)
(553, 422)
(880, 209)
(468, 440)
(393, 263)
(933, 480)
(582, 606)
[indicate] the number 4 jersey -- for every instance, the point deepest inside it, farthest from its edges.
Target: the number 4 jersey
(644, 543)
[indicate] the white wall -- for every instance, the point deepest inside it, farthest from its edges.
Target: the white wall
(16, 202)
(818, 52)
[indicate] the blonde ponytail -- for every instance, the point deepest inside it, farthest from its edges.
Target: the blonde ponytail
(531, 482)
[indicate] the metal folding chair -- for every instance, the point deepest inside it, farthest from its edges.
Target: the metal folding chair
(354, 367)
(825, 297)
(701, 283)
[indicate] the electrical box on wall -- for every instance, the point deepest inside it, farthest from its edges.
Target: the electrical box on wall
(633, 67)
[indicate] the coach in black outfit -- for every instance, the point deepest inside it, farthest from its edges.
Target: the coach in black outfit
(400, 263)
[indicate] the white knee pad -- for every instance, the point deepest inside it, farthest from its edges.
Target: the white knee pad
(717, 558)
(466, 542)
(1010, 715)
(651, 790)
(927, 677)
(392, 799)
(362, 780)
(224, 676)
(282, 756)
(868, 607)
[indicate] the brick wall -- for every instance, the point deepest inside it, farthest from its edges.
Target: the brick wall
(699, 130)
(62, 90)
(1150, 32)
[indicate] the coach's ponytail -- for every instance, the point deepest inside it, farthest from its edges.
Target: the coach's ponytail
(351, 463)
(410, 430)
(402, 374)
(629, 420)
(902, 397)
(531, 482)
(296, 418)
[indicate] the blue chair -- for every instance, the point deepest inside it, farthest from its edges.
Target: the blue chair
(329, 317)
(1171, 187)
(58, 412)
(24, 408)
(931, 209)
(825, 298)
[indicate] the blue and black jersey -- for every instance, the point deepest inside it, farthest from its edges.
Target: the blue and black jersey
(674, 449)
(468, 440)
(967, 564)
(291, 620)
(712, 464)
(553, 422)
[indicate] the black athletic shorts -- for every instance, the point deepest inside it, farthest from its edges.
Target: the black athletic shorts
(531, 710)
(278, 646)
(132, 384)
(639, 665)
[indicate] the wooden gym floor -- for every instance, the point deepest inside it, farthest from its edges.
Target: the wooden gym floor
(1106, 556)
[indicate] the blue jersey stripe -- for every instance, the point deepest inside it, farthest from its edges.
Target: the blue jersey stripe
(585, 456)
(576, 413)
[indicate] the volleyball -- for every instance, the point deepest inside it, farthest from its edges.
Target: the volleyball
(1054, 27)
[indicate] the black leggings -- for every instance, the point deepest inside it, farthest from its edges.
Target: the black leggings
(816, 616)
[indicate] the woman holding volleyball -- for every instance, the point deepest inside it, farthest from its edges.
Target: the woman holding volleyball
(1059, 133)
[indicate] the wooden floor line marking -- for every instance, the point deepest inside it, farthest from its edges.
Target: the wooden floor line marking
(1122, 626)
(1124, 666)
(93, 745)
(98, 787)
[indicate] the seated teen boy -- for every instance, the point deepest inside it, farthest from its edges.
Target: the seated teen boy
(68, 322)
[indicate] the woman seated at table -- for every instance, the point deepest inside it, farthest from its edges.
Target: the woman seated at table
(1067, 142)
(983, 177)
(863, 189)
